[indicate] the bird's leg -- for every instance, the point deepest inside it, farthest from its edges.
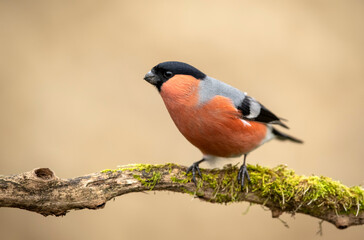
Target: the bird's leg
(194, 167)
(243, 172)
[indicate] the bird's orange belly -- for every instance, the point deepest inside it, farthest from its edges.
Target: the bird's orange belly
(216, 127)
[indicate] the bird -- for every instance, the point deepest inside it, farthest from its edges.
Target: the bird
(218, 119)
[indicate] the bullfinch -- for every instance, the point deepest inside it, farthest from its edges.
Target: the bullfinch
(217, 118)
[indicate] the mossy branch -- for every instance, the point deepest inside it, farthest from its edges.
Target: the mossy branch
(279, 189)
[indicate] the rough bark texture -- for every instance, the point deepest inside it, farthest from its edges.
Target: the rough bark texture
(279, 189)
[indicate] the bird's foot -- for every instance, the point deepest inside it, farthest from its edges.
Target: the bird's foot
(195, 168)
(243, 172)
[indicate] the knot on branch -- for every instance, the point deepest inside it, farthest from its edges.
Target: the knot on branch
(44, 174)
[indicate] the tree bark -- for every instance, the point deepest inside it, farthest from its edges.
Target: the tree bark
(279, 189)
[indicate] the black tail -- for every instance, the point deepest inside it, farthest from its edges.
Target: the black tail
(283, 136)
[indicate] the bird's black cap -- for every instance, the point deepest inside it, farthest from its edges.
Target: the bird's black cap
(179, 68)
(166, 70)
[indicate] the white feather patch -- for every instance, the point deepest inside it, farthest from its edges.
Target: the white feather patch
(246, 123)
(269, 136)
(254, 109)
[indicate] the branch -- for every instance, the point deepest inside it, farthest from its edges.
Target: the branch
(279, 189)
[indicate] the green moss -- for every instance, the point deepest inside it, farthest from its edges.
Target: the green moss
(222, 198)
(211, 179)
(283, 186)
(176, 179)
(142, 172)
(141, 167)
(187, 191)
(149, 182)
(279, 185)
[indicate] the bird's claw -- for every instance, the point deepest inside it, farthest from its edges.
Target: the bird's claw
(193, 168)
(243, 172)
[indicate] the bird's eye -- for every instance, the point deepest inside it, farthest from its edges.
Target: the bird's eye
(168, 74)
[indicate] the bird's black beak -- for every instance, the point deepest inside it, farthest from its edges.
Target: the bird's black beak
(151, 78)
(154, 79)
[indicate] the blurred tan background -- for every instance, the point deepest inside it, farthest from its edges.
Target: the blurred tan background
(72, 98)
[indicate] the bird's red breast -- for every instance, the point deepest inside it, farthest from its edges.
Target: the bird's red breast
(215, 127)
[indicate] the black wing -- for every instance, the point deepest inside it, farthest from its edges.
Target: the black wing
(254, 111)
